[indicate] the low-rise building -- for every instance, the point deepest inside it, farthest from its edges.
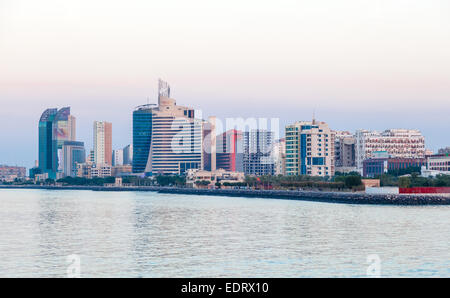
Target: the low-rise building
(123, 170)
(438, 164)
(195, 177)
(378, 166)
(10, 173)
(88, 170)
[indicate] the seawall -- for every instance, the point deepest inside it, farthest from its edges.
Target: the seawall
(317, 196)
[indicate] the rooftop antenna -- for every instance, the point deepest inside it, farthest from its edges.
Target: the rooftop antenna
(314, 116)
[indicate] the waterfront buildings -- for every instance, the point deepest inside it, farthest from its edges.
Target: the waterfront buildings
(279, 156)
(401, 143)
(128, 155)
(121, 170)
(102, 143)
(257, 158)
(438, 164)
(88, 170)
(10, 173)
(445, 150)
(209, 144)
(142, 137)
(55, 127)
(344, 151)
(377, 166)
(197, 178)
(229, 155)
(310, 149)
(72, 153)
(167, 139)
(117, 157)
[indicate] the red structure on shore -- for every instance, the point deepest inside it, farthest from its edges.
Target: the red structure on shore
(406, 190)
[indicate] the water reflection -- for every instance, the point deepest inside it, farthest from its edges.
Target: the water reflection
(128, 234)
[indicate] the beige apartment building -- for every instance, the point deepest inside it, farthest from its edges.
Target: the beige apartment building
(310, 149)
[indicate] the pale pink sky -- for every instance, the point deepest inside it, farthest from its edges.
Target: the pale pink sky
(359, 63)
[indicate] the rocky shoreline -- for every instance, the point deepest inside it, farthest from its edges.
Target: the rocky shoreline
(317, 196)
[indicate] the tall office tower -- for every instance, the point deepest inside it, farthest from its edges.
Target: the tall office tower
(102, 143)
(142, 137)
(167, 139)
(73, 153)
(230, 151)
(117, 157)
(344, 151)
(128, 155)
(279, 156)
(46, 160)
(55, 127)
(257, 152)
(402, 143)
(209, 144)
(310, 149)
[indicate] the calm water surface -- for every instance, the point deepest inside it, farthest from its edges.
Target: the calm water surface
(145, 234)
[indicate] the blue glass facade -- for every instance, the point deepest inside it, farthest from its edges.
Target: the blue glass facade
(47, 153)
(303, 154)
(142, 137)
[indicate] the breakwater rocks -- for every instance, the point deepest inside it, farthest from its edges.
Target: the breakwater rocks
(317, 196)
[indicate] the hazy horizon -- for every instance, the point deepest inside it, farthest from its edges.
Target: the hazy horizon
(359, 64)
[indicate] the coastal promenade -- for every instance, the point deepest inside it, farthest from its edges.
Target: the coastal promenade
(317, 196)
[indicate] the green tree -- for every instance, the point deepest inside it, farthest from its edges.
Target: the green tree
(404, 182)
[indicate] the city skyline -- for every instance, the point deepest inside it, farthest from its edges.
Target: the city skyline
(358, 64)
(89, 144)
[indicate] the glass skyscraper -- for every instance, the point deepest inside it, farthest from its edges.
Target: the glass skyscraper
(142, 137)
(55, 128)
(46, 159)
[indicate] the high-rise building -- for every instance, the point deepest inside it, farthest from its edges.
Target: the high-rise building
(209, 144)
(257, 158)
(344, 152)
(118, 157)
(128, 155)
(310, 149)
(102, 143)
(279, 156)
(55, 127)
(167, 139)
(401, 143)
(142, 137)
(73, 153)
(230, 151)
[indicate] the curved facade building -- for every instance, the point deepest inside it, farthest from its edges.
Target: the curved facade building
(142, 137)
(55, 128)
(46, 160)
(167, 139)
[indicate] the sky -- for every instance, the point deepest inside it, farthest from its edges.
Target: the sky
(358, 64)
